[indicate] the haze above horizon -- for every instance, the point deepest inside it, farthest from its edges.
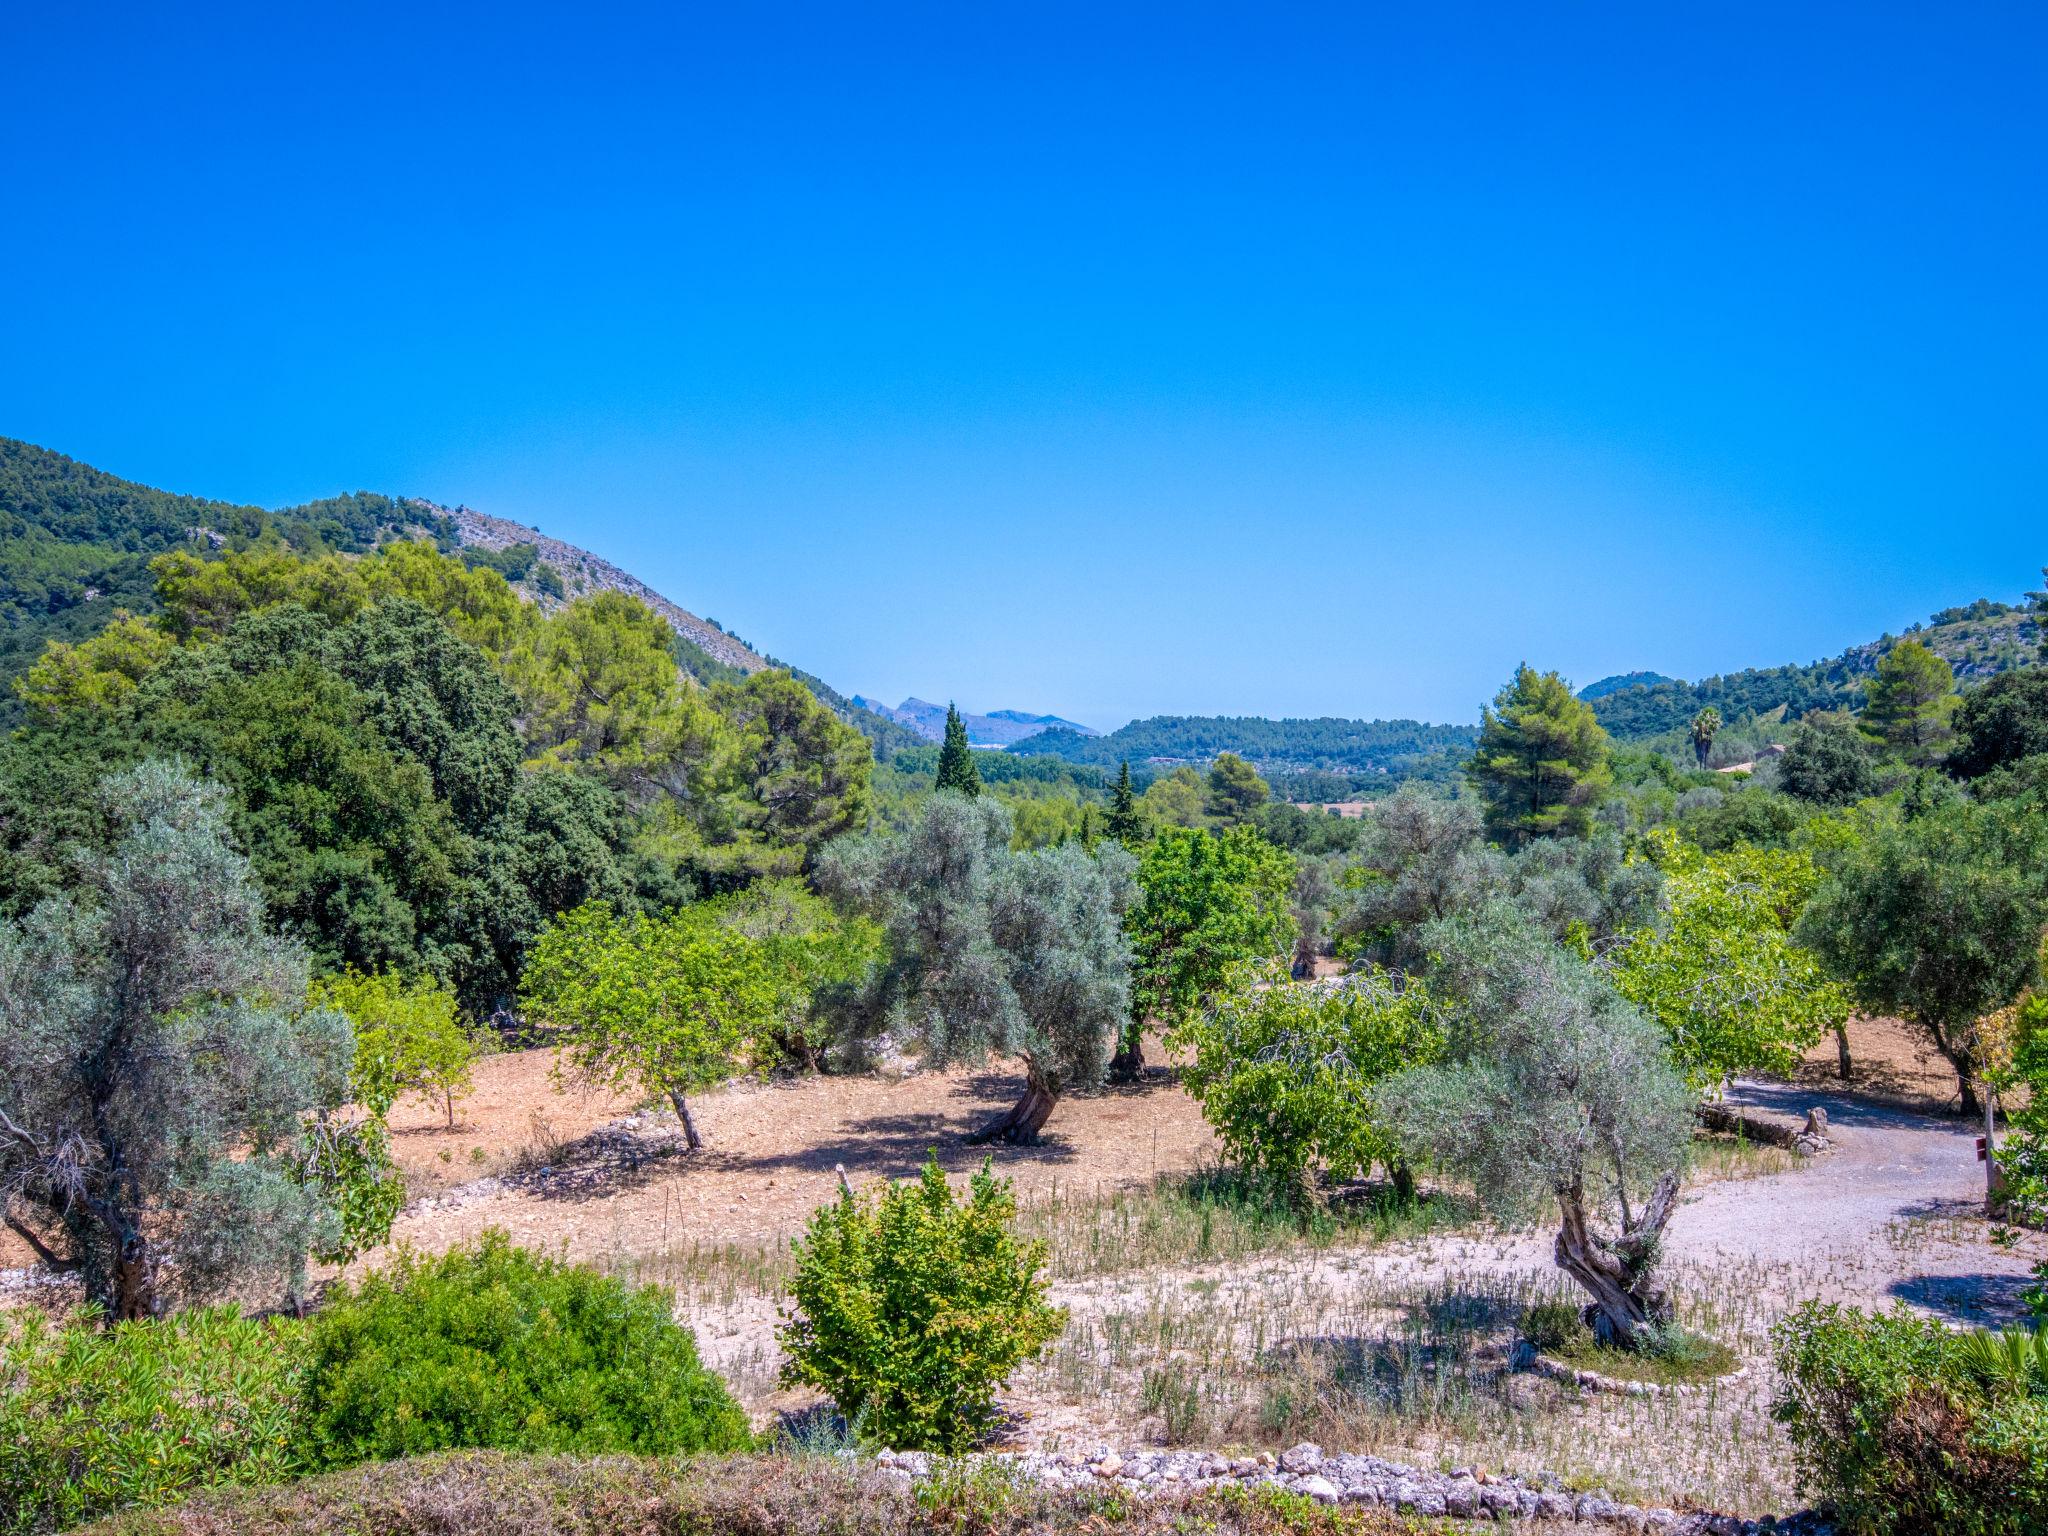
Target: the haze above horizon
(1106, 364)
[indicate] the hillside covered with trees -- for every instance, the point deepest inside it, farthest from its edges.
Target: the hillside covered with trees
(1978, 641)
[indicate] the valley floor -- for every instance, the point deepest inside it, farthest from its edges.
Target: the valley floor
(1190, 1326)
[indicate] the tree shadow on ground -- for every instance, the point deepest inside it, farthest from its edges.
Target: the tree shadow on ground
(900, 1143)
(1980, 1299)
(1846, 1109)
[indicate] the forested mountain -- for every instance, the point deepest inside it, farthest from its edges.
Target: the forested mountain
(1621, 680)
(1274, 746)
(997, 728)
(1978, 641)
(75, 543)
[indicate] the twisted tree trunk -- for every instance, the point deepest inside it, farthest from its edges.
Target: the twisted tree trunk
(1020, 1124)
(1620, 1275)
(682, 1107)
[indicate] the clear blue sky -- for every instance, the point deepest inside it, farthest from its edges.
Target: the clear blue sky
(1104, 359)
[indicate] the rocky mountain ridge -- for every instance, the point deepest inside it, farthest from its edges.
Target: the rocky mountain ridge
(582, 572)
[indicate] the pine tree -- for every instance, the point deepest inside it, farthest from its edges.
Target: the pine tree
(1541, 764)
(1911, 702)
(956, 759)
(1124, 823)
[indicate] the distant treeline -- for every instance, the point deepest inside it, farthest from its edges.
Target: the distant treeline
(1392, 747)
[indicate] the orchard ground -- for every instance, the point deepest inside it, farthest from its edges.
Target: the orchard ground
(1198, 1324)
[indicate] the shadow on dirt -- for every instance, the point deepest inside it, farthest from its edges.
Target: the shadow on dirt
(1980, 1300)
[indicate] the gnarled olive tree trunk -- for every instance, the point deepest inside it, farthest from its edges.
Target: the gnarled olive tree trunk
(1020, 1124)
(1620, 1274)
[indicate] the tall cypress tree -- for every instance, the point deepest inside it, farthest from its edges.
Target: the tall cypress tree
(956, 759)
(1123, 822)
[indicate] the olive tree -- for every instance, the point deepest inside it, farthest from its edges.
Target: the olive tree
(157, 1065)
(1553, 1089)
(1938, 919)
(992, 951)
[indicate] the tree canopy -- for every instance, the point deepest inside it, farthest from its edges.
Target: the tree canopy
(1541, 763)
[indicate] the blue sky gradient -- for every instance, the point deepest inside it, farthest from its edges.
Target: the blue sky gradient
(1104, 360)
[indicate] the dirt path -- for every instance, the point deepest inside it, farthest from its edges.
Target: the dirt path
(1893, 1212)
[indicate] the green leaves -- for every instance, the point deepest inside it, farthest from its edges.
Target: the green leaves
(1285, 1073)
(96, 1420)
(490, 1346)
(673, 1004)
(1206, 903)
(1722, 974)
(912, 1307)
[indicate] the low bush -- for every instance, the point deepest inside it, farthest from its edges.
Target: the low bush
(492, 1346)
(1552, 1327)
(1910, 1429)
(912, 1308)
(95, 1419)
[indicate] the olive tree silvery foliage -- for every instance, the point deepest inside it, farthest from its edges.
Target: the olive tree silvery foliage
(157, 1064)
(1553, 1090)
(1424, 859)
(993, 951)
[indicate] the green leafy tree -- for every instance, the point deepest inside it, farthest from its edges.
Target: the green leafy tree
(911, 1308)
(2001, 722)
(1284, 1074)
(956, 759)
(1938, 919)
(599, 687)
(1206, 903)
(1553, 1089)
(1123, 822)
(1910, 702)
(156, 1065)
(1706, 725)
(1542, 762)
(1176, 799)
(409, 1038)
(1721, 974)
(816, 957)
(992, 951)
(672, 1005)
(1235, 790)
(1827, 763)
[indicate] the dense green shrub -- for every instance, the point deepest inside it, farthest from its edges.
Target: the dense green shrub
(1285, 1074)
(93, 1419)
(912, 1308)
(1910, 1428)
(491, 1346)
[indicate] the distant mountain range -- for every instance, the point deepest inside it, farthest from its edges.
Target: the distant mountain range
(997, 728)
(75, 546)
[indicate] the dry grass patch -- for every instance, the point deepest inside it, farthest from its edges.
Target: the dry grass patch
(488, 1494)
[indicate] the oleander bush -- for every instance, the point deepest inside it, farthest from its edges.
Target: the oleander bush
(94, 1419)
(1909, 1428)
(492, 1346)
